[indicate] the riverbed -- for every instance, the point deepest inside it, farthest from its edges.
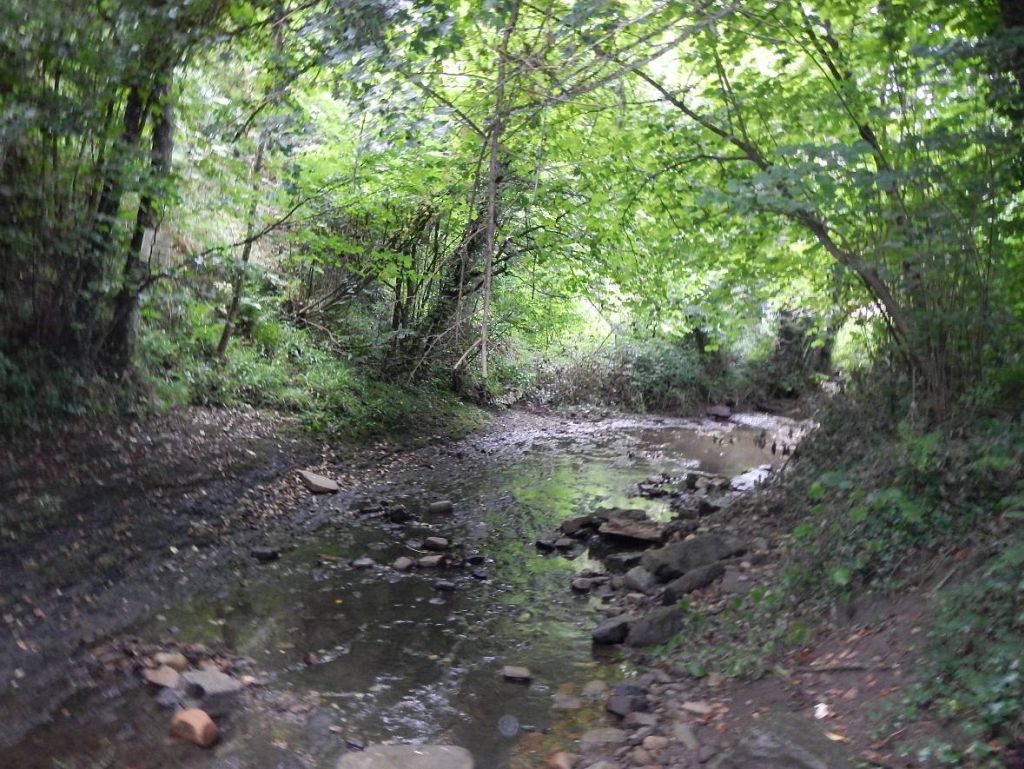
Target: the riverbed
(351, 656)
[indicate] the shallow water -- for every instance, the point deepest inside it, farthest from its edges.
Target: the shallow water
(396, 659)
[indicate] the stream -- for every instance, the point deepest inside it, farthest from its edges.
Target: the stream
(358, 656)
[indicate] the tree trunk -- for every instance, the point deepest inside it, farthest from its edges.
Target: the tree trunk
(119, 346)
(238, 285)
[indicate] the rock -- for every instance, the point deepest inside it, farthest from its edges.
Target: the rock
(175, 660)
(403, 563)
(564, 543)
(475, 559)
(365, 562)
(579, 526)
(622, 561)
(640, 756)
(656, 627)
(563, 760)
(698, 708)
(655, 743)
(545, 545)
(516, 673)
(603, 765)
(479, 574)
(638, 720)
(318, 484)
(633, 531)
(164, 675)
(194, 725)
(431, 561)
(683, 734)
(613, 630)
(706, 753)
(675, 560)
(560, 701)
(435, 543)
(734, 582)
(169, 699)
(639, 579)
(265, 553)
(444, 586)
(399, 514)
(785, 741)
(604, 737)
(719, 412)
(441, 507)
(408, 757)
(694, 579)
(623, 704)
(218, 691)
(594, 691)
(582, 584)
(751, 479)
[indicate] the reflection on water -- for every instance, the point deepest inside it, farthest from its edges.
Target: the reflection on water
(397, 660)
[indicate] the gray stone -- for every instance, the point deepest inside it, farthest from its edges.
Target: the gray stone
(582, 584)
(683, 733)
(318, 484)
(622, 561)
(785, 741)
(516, 673)
(735, 582)
(218, 692)
(604, 737)
(441, 507)
(444, 586)
(565, 543)
(403, 563)
(675, 560)
(637, 719)
(265, 553)
(694, 579)
(657, 627)
(613, 630)
(435, 543)
(408, 757)
(640, 531)
(639, 579)
(719, 412)
(624, 704)
(579, 526)
(364, 562)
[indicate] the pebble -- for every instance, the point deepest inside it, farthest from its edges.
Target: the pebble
(656, 743)
(444, 586)
(364, 562)
(441, 507)
(164, 675)
(435, 543)
(175, 660)
(403, 564)
(699, 708)
(318, 484)
(431, 561)
(563, 760)
(194, 725)
(683, 733)
(516, 673)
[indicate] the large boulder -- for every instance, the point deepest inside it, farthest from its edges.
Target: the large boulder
(676, 559)
(408, 757)
(785, 741)
(642, 532)
(657, 627)
(613, 630)
(694, 579)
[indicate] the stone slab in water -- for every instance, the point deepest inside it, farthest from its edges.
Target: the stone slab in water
(408, 757)
(785, 741)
